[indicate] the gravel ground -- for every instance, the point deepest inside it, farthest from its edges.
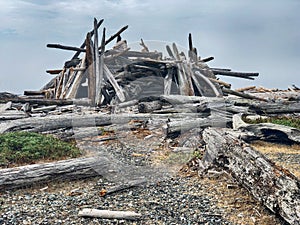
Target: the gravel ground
(173, 201)
(172, 193)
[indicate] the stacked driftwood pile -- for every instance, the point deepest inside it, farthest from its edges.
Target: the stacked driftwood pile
(121, 74)
(176, 94)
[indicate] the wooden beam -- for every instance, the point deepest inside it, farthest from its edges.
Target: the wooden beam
(97, 66)
(64, 47)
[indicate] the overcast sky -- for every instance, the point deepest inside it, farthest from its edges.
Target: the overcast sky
(259, 35)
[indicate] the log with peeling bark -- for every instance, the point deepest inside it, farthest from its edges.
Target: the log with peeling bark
(108, 214)
(272, 185)
(61, 170)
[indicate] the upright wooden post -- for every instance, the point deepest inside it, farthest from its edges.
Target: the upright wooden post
(90, 58)
(98, 74)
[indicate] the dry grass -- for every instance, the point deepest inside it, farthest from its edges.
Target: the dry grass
(285, 156)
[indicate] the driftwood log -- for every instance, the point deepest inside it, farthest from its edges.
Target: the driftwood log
(275, 187)
(108, 214)
(266, 131)
(61, 170)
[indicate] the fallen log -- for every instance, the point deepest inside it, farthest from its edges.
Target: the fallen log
(276, 108)
(61, 170)
(272, 185)
(69, 121)
(266, 131)
(175, 128)
(58, 102)
(107, 214)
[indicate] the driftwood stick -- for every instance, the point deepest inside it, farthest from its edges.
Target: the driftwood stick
(207, 59)
(244, 95)
(64, 47)
(107, 214)
(145, 48)
(84, 43)
(227, 85)
(116, 35)
(245, 89)
(54, 71)
(125, 186)
(236, 74)
(114, 83)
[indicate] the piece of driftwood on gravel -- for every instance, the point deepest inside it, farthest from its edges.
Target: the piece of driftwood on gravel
(108, 214)
(17, 177)
(275, 187)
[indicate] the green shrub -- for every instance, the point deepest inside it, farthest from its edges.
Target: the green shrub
(28, 147)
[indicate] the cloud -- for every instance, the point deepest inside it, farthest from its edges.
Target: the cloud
(242, 35)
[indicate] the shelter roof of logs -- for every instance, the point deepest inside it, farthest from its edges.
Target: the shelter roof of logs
(120, 74)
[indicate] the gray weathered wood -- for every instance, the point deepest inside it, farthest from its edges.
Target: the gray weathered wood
(147, 107)
(45, 172)
(90, 60)
(108, 214)
(98, 66)
(272, 185)
(77, 81)
(266, 131)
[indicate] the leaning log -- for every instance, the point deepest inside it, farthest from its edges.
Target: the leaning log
(275, 187)
(61, 170)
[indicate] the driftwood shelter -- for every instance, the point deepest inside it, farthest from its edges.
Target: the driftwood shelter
(178, 93)
(120, 74)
